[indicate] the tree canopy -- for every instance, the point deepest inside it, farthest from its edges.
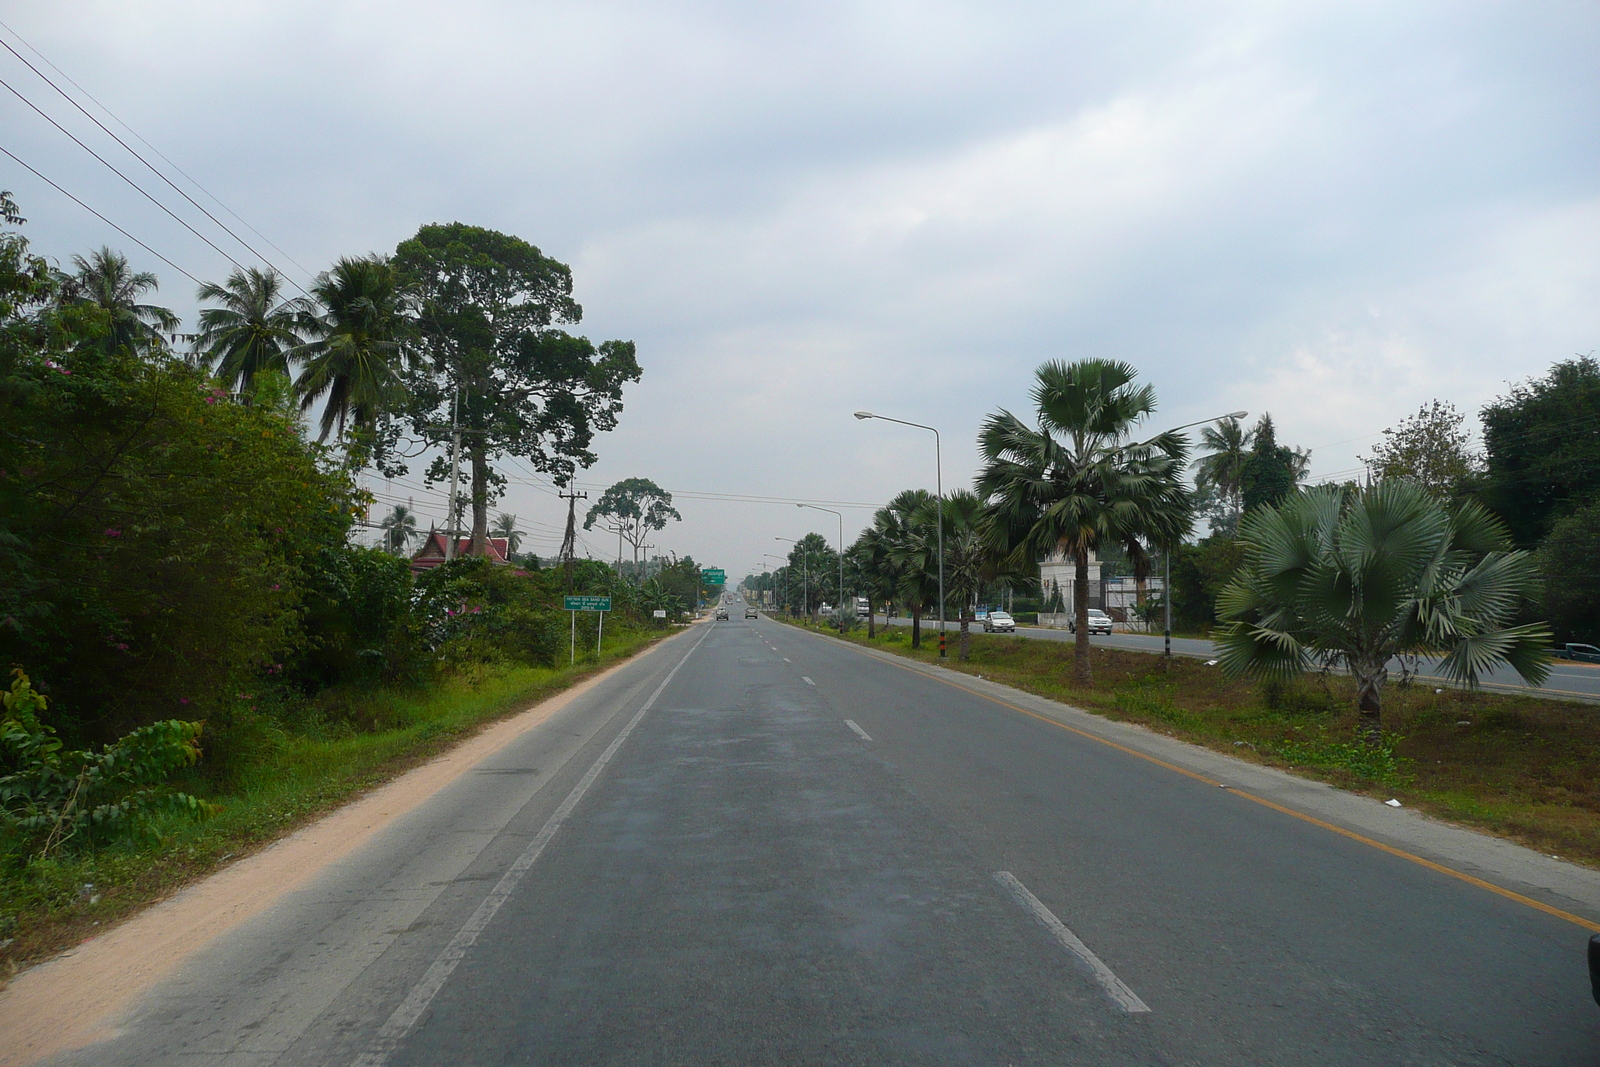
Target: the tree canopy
(633, 508)
(490, 351)
(1542, 445)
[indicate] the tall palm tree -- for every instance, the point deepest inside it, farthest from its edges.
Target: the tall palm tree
(254, 329)
(105, 280)
(1353, 577)
(969, 558)
(1227, 444)
(506, 526)
(399, 527)
(909, 527)
(354, 360)
(1078, 481)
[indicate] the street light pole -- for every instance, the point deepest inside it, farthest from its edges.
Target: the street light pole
(840, 517)
(805, 576)
(1166, 550)
(785, 560)
(938, 481)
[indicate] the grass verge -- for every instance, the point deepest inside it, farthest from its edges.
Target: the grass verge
(48, 905)
(1519, 767)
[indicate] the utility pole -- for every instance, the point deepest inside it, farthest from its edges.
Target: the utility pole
(569, 542)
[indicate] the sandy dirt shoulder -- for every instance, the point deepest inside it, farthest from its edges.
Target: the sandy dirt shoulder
(78, 997)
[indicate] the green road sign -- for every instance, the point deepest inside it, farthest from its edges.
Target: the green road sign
(588, 603)
(713, 576)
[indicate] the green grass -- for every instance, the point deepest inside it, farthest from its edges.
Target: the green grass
(292, 778)
(1517, 766)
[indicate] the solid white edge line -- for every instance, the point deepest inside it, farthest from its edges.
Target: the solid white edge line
(1119, 993)
(859, 731)
(388, 1038)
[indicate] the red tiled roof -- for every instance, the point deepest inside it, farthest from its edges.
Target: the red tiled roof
(431, 554)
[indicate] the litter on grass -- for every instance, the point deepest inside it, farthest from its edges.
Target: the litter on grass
(1392, 803)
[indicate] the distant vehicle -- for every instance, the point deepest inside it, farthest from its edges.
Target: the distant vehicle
(751, 613)
(722, 614)
(999, 622)
(1581, 653)
(982, 613)
(1099, 622)
(863, 607)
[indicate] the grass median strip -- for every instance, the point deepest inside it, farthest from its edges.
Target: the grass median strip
(1516, 766)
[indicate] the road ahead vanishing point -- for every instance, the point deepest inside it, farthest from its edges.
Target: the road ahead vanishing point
(756, 845)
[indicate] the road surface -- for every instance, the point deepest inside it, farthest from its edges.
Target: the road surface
(757, 845)
(1568, 680)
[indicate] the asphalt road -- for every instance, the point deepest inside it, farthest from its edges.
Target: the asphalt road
(1567, 681)
(761, 846)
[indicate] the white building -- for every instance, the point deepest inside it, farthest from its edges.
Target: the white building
(1117, 597)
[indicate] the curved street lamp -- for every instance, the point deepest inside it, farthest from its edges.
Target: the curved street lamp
(1166, 550)
(840, 517)
(938, 481)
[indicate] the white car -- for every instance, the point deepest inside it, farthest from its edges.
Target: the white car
(999, 622)
(1099, 622)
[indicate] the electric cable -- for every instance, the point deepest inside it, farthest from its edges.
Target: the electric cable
(140, 137)
(147, 164)
(136, 186)
(101, 217)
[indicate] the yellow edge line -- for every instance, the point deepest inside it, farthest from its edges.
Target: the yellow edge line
(1592, 927)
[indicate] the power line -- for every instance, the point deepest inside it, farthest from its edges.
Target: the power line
(118, 120)
(143, 160)
(137, 188)
(101, 217)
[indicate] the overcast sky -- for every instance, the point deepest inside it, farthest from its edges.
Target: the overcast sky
(1334, 212)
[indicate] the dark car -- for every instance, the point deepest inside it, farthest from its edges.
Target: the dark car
(1581, 653)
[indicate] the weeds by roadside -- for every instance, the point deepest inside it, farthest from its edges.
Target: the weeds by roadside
(346, 742)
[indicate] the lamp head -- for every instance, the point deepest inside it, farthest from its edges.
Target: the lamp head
(1236, 414)
(865, 415)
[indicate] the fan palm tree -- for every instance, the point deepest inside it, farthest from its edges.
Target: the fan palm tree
(1077, 481)
(354, 360)
(105, 280)
(1227, 444)
(969, 558)
(910, 532)
(506, 526)
(399, 527)
(1352, 577)
(253, 331)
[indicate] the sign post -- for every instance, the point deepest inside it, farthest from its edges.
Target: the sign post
(575, 604)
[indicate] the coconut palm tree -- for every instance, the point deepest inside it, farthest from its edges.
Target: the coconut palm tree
(399, 527)
(506, 526)
(354, 360)
(1353, 577)
(1078, 481)
(1227, 444)
(105, 280)
(253, 330)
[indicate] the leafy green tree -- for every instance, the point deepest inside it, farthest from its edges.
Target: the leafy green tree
(491, 351)
(1430, 448)
(633, 509)
(1272, 471)
(399, 529)
(1542, 449)
(1569, 559)
(1200, 572)
(104, 280)
(1078, 481)
(254, 330)
(1353, 577)
(354, 364)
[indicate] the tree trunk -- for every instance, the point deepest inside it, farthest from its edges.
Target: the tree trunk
(480, 499)
(916, 627)
(1081, 671)
(1369, 702)
(966, 636)
(872, 620)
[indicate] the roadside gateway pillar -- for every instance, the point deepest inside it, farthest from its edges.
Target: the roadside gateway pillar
(575, 604)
